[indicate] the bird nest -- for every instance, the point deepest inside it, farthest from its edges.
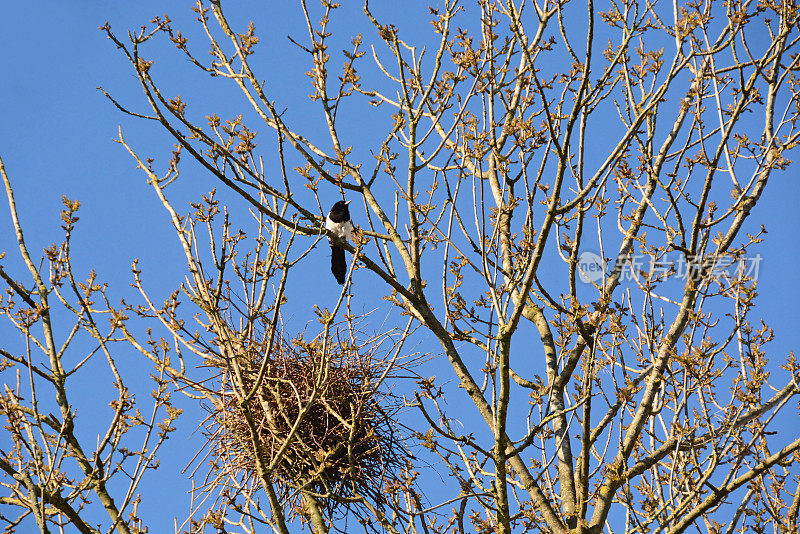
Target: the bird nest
(315, 422)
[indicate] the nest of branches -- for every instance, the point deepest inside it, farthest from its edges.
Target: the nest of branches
(316, 422)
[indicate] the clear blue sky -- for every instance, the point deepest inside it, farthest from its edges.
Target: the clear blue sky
(56, 138)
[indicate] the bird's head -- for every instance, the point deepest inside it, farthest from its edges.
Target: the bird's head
(341, 207)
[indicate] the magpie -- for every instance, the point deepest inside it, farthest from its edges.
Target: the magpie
(340, 225)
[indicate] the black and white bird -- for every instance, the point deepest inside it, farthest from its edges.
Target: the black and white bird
(339, 223)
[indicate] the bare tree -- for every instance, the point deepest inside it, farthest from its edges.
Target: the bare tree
(654, 402)
(585, 183)
(55, 472)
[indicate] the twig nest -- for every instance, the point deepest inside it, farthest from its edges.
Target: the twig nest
(313, 418)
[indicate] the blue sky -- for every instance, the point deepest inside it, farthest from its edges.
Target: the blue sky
(56, 139)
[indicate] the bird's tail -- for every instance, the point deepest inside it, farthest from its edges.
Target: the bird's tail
(338, 264)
